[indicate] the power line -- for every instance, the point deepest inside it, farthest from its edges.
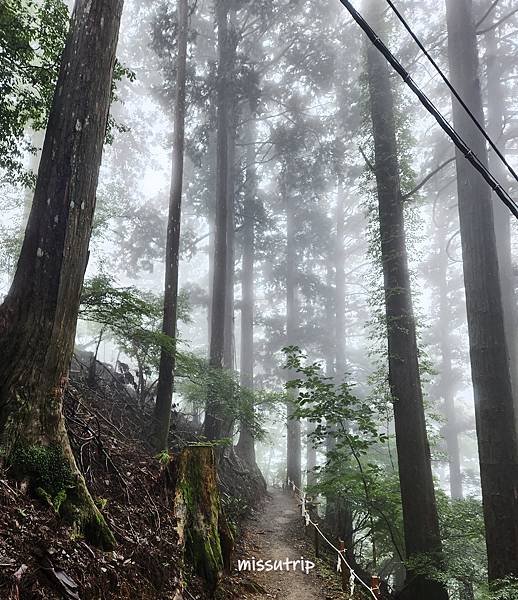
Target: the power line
(428, 104)
(452, 89)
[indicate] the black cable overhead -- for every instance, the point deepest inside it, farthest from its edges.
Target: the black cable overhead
(478, 125)
(430, 107)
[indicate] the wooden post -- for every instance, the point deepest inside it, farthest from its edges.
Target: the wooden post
(317, 542)
(344, 575)
(375, 586)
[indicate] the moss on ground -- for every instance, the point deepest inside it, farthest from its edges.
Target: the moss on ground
(50, 476)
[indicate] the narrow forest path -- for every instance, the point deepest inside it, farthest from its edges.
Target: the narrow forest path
(276, 533)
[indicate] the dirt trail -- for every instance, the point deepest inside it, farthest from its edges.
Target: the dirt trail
(277, 533)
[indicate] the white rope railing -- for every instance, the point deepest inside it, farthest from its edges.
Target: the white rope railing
(374, 590)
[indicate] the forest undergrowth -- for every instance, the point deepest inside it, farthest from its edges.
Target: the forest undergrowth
(42, 557)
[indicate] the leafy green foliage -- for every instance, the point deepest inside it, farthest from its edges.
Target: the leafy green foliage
(32, 35)
(194, 378)
(358, 468)
(350, 420)
(133, 316)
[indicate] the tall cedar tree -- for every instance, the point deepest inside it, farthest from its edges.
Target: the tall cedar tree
(494, 412)
(447, 380)
(496, 122)
(38, 317)
(420, 519)
(214, 418)
(293, 440)
(245, 447)
(164, 396)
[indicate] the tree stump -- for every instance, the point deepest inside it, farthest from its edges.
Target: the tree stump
(202, 528)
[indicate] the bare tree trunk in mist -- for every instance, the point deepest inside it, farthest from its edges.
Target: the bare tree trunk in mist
(229, 342)
(494, 410)
(495, 126)
(214, 423)
(420, 518)
(293, 442)
(245, 447)
(39, 316)
(338, 514)
(211, 209)
(228, 356)
(447, 381)
(340, 306)
(164, 396)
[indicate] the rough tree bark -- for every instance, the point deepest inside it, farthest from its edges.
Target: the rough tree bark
(164, 396)
(229, 362)
(228, 354)
(496, 118)
(214, 424)
(494, 410)
(245, 447)
(203, 531)
(38, 317)
(420, 519)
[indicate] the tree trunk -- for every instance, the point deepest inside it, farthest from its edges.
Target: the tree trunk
(214, 423)
(340, 308)
(164, 396)
(245, 447)
(494, 411)
(228, 355)
(420, 519)
(211, 221)
(203, 531)
(39, 315)
(495, 126)
(293, 440)
(447, 382)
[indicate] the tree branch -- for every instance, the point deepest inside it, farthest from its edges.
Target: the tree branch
(428, 177)
(487, 13)
(367, 161)
(498, 23)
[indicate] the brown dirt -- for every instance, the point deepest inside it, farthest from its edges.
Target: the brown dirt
(277, 532)
(42, 558)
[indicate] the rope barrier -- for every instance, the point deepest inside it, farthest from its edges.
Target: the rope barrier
(373, 591)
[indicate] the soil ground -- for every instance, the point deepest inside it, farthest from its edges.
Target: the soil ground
(276, 532)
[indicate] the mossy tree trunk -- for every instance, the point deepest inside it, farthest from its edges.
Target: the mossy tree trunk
(202, 528)
(39, 315)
